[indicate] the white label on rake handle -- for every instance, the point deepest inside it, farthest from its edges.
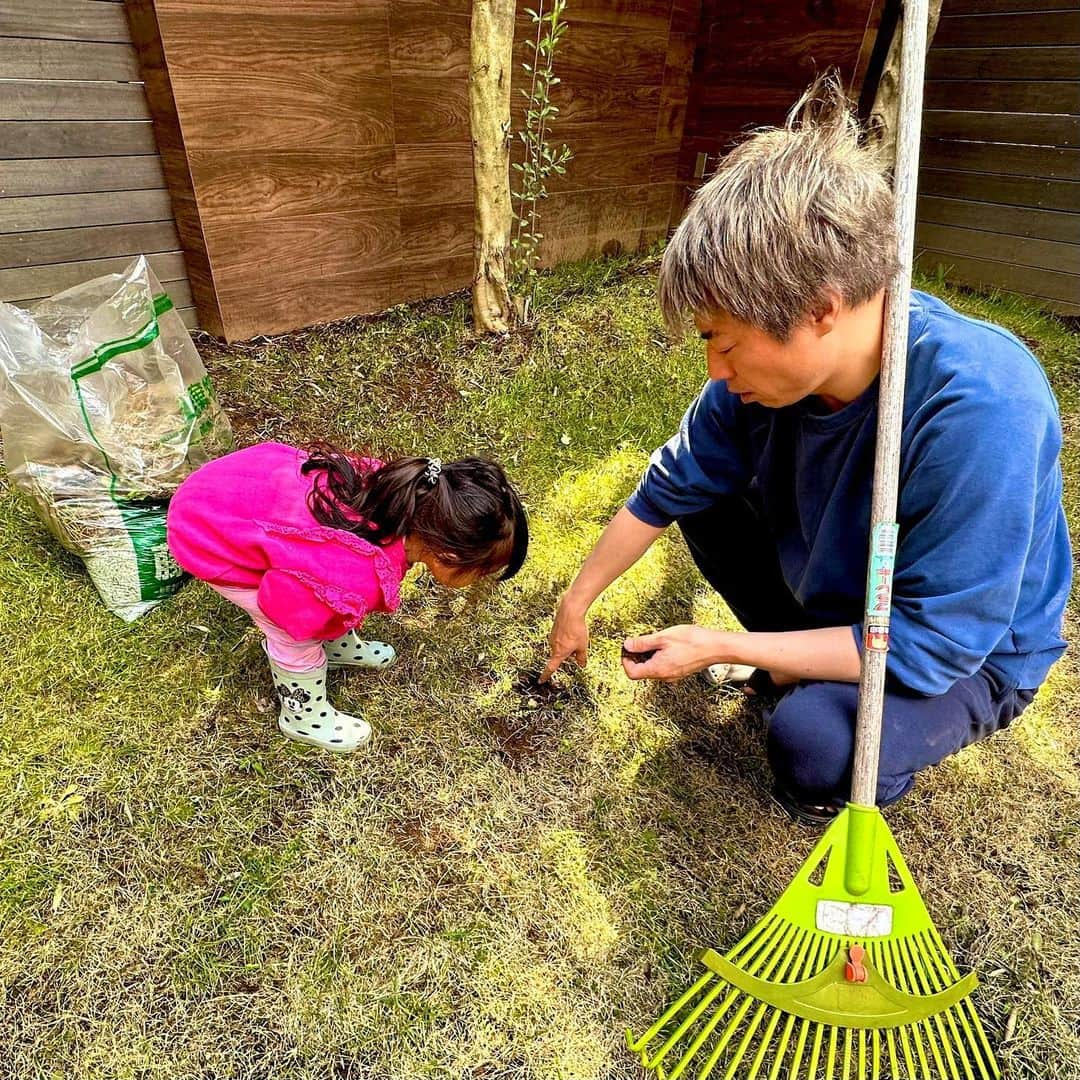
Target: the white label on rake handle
(854, 920)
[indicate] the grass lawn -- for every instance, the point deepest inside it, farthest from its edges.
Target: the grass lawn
(499, 884)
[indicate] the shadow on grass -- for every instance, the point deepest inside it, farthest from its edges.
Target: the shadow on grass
(731, 744)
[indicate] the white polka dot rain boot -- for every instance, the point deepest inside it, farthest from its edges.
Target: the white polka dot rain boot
(306, 716)
(352, 651)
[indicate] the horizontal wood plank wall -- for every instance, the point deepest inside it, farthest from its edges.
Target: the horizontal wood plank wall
(319, 156)
(999, 190)
(81, 183)
(625, 67)
(755, 57)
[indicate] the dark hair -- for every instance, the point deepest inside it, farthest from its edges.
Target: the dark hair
(471, 514)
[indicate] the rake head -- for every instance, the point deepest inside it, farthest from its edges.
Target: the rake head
(846, 978)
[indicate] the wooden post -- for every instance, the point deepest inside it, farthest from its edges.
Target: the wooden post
(146, 36)
(490, 69)
(885, 113)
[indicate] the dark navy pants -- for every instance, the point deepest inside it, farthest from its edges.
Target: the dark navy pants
(811, 728)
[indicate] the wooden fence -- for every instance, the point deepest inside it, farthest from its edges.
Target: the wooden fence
(999, 187)
(319, 155)
(81, 184)
(754, 59)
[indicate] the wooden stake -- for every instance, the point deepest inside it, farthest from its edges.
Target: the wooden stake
(490, 69)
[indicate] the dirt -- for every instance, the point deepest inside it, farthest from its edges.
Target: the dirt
(276, 829)
(416, 835)
(533, 692)
(529, 728)
(420, 384)
(519, 739)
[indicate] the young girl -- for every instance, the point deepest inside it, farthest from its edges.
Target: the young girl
(309, 542)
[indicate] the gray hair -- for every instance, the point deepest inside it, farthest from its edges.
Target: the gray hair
(791, 214)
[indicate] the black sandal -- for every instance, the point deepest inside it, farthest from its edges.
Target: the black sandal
(762, 684)
(804, 813)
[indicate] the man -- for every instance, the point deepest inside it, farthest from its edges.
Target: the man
(782, 260)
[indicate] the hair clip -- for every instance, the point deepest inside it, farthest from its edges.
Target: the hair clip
(431, 472)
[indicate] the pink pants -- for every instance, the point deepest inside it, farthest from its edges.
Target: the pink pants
(285, 651)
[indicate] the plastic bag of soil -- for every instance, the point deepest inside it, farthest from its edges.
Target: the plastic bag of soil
(105, 407)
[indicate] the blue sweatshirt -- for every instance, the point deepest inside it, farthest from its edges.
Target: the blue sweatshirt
(983, 566)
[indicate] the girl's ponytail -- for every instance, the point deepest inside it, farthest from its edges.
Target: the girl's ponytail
(377, 503)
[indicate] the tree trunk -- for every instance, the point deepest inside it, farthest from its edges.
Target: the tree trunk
(490, 63)
(883, 116)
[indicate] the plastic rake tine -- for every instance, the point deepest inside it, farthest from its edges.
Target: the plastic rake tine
(938, 979)
(794, 966)
(760, 940)
(732, 1028)
(638, 1045)
(799, 968)
(789, 1023)
(730, 1000)
(947, 1018)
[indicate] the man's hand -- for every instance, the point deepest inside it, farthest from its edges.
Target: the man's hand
(828, 653)
(677, 652)
(569, 637)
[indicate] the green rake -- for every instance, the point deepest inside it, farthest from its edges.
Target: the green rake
(846, 977)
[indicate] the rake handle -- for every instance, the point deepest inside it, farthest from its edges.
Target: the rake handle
(864, 771)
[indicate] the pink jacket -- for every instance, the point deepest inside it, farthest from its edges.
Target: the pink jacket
(243, 520)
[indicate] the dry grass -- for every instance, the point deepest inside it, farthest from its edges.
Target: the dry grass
(497, 888)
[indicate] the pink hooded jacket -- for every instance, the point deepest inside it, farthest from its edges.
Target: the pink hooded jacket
(243, 521)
